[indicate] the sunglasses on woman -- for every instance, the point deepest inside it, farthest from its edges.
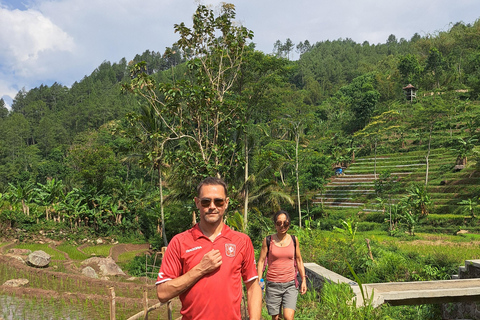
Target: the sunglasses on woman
(218, 202)
(285, 224)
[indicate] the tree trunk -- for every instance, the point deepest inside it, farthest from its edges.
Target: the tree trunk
(245, 205)
(161, 206)
(428, 155)
(375, 162)
(297, 140)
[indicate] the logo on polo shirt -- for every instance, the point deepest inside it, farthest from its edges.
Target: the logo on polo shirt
(230, 249)
(193, 249)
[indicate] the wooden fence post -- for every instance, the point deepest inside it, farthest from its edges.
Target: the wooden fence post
(169, 308)
(145, 303)
(112, 303)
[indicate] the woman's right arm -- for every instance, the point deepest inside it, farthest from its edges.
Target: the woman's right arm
(261, 259)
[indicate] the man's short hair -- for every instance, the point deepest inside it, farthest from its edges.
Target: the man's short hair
(212, 181)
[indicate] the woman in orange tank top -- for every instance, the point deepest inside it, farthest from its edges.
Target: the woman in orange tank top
(281, 291)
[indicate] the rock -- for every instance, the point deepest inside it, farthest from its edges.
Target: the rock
(16, 283)
(90, 272)
(99, 241)
(106, 266)
(39, 259)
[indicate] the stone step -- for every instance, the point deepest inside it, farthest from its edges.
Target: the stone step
(342, 192)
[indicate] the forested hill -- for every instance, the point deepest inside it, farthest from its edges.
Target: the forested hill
(80, 135)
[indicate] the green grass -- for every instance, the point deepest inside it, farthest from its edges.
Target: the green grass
(44, 247)
(456, 251)
(72, 252)
(128, 256)
(454, 247)
(102, 250)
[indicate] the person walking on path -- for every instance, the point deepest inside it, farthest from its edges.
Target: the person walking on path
(205, 265)
(282, 252)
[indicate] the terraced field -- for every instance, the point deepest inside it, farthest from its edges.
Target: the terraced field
(446, 186)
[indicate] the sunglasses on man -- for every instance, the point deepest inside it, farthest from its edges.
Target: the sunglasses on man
(218, 202)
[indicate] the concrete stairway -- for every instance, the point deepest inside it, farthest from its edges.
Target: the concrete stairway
(356, 187)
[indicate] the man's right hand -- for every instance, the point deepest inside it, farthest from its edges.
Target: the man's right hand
(210, 262)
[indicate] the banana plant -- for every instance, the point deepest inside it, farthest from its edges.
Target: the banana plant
(411, 220)
(349, 227)
(469, 206)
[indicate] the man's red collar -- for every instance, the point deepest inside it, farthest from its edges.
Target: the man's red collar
(197, 233)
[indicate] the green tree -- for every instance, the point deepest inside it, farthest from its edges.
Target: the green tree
(94, 162)
(199, 115)
(147, 144)
(410, 69)
(3, 109)
(362, 98)
(435, 63)
(426, 116)
(303, 47)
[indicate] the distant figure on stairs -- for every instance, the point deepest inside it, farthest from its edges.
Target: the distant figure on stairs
(338, 171)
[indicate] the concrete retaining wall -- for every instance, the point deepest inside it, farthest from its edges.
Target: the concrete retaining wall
(464, 310)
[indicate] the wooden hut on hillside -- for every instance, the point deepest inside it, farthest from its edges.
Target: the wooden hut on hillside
(410, 92)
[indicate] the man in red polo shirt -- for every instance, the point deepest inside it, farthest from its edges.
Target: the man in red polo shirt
(206, 264)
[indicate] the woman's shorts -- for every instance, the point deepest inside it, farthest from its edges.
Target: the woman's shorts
(278, 294)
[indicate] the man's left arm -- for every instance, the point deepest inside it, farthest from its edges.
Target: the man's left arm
(254, 299)
(250, 278)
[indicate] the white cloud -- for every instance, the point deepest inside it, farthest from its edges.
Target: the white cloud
(25, 34)
(29, 40)
(46, 41)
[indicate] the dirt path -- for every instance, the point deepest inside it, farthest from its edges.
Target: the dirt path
(118, 249)
(4, 249)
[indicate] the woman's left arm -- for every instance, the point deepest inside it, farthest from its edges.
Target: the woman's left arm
(301, 268)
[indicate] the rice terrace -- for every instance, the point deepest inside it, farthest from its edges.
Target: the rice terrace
(61, 291)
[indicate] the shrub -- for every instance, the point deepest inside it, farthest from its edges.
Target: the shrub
(136, 267)
(389, 267)
(367, 226)
(378, 217)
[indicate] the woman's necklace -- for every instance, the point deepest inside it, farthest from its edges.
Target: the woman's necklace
(281, 242)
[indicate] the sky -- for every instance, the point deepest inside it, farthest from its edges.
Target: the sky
(47, 41)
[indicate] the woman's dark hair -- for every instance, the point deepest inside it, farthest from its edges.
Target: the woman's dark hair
(279, 212)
